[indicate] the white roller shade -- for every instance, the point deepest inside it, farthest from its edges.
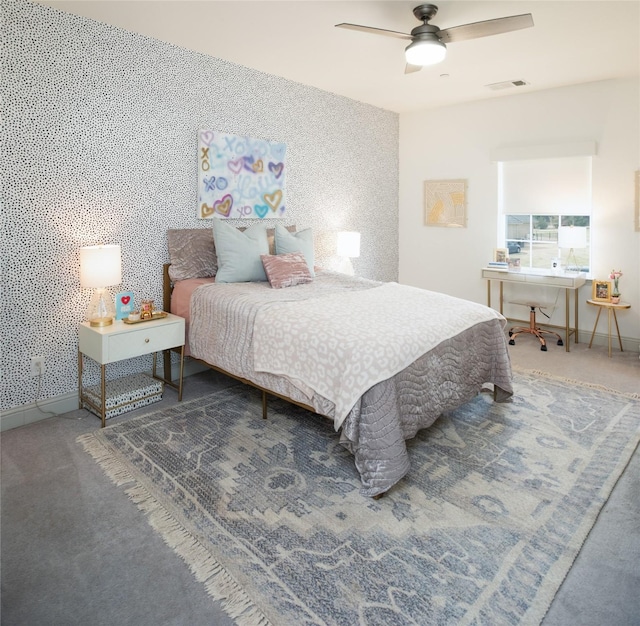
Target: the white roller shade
(560, 186)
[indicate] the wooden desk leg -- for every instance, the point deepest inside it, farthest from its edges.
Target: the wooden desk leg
(501, 296)
(489, 292)
(615, 319)
(575, 291)
(609, 328)
(595, 326)
(103, 392)
(567, 343)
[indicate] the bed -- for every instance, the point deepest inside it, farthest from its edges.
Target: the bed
(381, 360)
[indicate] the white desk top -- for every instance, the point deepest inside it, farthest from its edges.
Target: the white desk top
(549, 278)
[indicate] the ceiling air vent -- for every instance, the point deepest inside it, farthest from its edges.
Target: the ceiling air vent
(507, 84)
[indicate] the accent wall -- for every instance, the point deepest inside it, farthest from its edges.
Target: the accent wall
(100, 146)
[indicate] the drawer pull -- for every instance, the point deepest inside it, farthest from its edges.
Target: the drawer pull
(146, 340)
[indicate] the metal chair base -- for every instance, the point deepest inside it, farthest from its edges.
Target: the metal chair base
(533, 329)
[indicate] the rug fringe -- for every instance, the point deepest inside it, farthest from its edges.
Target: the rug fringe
(578, 383)
(111, 466)
(218, 583)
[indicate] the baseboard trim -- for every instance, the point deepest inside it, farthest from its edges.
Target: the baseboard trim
(602, 339)
(50, 407)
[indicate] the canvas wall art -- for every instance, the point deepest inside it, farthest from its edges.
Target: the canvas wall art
(445, 203)
(240, 177)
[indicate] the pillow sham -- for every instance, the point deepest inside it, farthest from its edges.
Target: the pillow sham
(271, 236)
(286, 270)
(192, 253)
(302, 241)
(239, 252)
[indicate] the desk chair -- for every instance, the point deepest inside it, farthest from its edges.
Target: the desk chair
(533, 329)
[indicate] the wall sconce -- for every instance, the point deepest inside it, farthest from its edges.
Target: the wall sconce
(100, 267)
(572, 237)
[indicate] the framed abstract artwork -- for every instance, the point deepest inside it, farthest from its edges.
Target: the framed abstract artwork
(240, 177)
(445, 203)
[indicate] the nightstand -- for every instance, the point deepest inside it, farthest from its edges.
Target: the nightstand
(119, 341)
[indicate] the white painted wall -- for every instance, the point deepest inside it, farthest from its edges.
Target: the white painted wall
(456, 142)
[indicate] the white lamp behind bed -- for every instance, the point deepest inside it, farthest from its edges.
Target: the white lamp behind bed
(348, 248)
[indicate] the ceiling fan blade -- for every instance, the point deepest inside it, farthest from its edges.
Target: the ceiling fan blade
(409, 69)
(486, 28)
(375, 31)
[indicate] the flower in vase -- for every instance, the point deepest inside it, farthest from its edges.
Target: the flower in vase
(615, 277)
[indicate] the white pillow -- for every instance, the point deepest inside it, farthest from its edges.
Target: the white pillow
(301, 241)
(239, 252)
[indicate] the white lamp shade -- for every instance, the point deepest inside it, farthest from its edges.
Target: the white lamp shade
(349, 244)
(100, 266)
(425, 51)
(572, 237)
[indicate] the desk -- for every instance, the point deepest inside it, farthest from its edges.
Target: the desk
(569, 281)
(611, 308)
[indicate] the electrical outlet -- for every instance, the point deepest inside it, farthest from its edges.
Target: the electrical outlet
(37, 365)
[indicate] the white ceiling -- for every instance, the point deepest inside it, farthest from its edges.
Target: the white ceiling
(572, 42)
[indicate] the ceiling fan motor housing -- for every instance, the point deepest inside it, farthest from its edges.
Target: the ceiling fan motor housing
(425, 12)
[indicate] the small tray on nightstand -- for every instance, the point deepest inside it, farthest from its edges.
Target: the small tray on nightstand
(156, 315)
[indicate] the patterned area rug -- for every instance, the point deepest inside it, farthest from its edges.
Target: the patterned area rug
(483, 530)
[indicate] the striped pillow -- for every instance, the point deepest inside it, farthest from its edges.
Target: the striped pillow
(286, 270)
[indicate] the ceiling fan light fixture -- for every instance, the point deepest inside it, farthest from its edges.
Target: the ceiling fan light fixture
(427, 51)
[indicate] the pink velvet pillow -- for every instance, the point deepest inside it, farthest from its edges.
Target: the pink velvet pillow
(286, 270)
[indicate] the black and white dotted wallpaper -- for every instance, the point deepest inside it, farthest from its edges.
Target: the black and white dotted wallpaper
(99, 136)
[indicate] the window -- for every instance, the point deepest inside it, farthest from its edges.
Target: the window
(535, 240)
(545, 212)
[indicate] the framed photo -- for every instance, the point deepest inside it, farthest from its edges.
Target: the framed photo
(501, 255)
(601, 290)
(445, 203)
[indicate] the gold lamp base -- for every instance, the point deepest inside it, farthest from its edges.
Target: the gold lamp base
(101, 321)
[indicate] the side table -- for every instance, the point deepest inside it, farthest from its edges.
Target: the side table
(611, 310)
(119, 341)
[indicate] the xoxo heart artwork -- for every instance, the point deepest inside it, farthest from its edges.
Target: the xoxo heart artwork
(240, 177)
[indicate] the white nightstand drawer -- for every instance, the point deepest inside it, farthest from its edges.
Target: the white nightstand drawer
(144, 340)
(123, 341)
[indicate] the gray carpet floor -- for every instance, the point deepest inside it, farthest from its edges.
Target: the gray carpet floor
(75, 550)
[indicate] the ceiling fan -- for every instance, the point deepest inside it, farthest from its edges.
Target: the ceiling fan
(427, 45)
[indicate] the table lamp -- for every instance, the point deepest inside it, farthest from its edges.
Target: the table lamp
(100, 267)
(349, 244)
(348, 248)
(572, 237)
